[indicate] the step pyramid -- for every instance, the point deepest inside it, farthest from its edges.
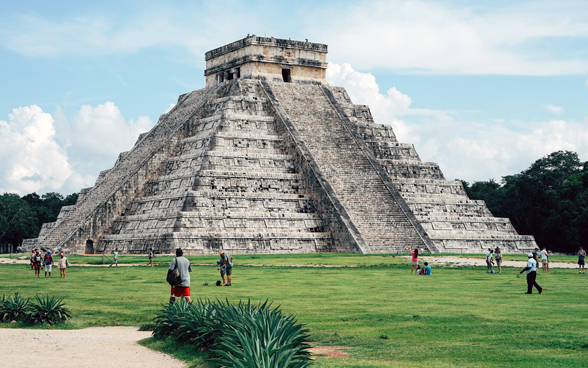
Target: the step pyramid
(270, 159)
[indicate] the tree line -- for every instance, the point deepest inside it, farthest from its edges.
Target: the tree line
(549, 200)
(22, 217)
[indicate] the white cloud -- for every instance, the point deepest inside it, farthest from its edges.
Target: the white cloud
(464, 148)
(555, 109)
(31, 159)
(43, 153)
(171, 106)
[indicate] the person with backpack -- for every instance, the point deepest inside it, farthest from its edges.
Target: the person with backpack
(63, 263)
(48, 260)
(489, 261)
(178, 275)
(228, 266)
(38, 262)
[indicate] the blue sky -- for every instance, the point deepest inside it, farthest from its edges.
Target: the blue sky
(482, 88)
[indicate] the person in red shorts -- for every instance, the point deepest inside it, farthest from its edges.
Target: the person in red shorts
(184, 268)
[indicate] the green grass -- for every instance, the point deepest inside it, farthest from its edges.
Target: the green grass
(457, 317)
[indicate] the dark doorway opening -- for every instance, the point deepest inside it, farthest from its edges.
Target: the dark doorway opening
(286, 75)
(89, 247)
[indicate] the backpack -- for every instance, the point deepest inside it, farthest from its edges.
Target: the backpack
(173, 277)
(230, 260)
(47, 259)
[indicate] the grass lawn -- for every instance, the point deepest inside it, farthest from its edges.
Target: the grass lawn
(457, 317)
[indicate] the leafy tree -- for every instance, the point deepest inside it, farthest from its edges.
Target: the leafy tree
(17, 220)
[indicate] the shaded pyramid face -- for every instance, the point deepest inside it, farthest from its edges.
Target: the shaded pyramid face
(272, 167)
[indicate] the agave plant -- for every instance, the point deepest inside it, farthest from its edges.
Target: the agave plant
(48, 310)
(262, 337)
(14, 308)
(168, 320)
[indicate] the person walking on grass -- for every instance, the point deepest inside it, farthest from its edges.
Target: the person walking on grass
(498, 257)
(228, 266)
(581, 259)
(115, 253)
(415, 259)
(531, 275)
(183, 288)
(489, 261)
(63, 263)
(38, 262)
(150, 258)
(48, 260)
(545, 259)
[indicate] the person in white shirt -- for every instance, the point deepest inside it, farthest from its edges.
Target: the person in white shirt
(489, 261)
(531, 275)
(545, 260)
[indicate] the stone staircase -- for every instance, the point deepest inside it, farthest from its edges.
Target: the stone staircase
(380, 220)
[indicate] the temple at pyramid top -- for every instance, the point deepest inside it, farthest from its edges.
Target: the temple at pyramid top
(268, 58)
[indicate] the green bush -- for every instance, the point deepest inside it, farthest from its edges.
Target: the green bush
(48, 310)
(15, 308)
(242, 335)
(45, 309)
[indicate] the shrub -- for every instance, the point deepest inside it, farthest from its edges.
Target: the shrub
(147, 327)
(167, 321)
(15, 308)
(48, 310)
(242, 335)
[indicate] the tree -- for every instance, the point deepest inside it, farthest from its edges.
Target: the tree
(17, 220)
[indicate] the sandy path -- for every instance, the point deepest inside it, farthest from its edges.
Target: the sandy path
(90, 347)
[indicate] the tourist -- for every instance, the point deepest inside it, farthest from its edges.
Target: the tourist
(427, 270)
(415, 259)
(489, 261)
(419, 270)
(32, 259)
(183, 288)
(531, 275)
(545, 259)
(498, 257)
(48, 260)
(581, 257)
(221, 264)
(63, 263)
(150, 258)
(536, 255)
(115, 253)
(228, 266)
(38, 261)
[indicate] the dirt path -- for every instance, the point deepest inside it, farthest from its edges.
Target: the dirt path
(90, 347)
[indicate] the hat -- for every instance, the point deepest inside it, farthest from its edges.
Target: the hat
(536, 248)
(48, 252)
(530, 255)
(221, 253)
(62, 254)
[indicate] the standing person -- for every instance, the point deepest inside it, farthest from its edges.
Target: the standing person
(38, 261)
(115, 253)
(499, 259)
(63, 263)
(221, 267)
(150, 258)
(536, 255)
(489, 261)
(184, 269)
(531, 275)
(415, 259)
(545, 259)
(581, 257)
(32, 259)
(48, 260)
(228, 259)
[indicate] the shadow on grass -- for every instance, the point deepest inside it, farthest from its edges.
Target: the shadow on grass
(185, 353)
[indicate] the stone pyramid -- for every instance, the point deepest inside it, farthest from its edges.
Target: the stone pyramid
(268, 158)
